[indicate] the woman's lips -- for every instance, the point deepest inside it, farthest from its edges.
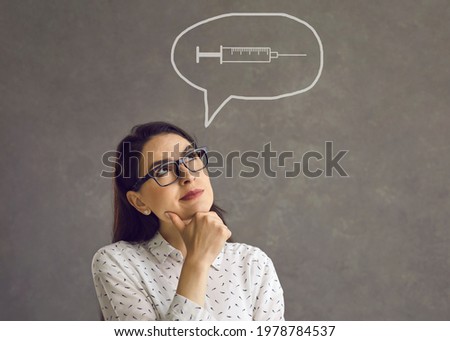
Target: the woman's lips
(193, 194)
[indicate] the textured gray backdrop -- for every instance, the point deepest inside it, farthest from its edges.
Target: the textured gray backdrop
(77, 75)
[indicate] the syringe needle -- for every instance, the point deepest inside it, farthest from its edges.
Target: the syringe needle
(291, 55)
(275, 54)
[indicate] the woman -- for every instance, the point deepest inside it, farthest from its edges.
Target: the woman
(170, 259)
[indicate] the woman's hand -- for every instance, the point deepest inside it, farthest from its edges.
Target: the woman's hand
(204, 236)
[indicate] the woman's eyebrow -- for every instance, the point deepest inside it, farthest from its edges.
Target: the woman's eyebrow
(156, 163)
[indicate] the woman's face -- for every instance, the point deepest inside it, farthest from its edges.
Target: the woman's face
(159, 200)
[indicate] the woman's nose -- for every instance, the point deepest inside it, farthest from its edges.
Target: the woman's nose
(185, 173)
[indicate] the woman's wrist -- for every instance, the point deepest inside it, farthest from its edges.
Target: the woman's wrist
(196, 264)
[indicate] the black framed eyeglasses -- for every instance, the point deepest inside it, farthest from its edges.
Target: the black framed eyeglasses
(167, 173)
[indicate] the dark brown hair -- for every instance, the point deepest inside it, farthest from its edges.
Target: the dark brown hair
(129, 224)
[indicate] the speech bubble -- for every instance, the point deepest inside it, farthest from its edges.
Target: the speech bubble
(248, 56)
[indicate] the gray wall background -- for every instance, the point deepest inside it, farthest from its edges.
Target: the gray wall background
(77, 75)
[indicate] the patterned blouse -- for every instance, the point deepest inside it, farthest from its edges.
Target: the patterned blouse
(138, 282)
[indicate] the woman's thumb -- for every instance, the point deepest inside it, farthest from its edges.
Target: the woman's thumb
(176, 220)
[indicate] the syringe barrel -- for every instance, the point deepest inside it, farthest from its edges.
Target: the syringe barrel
(245, 54)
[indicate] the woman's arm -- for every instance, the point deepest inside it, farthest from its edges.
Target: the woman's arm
(204, 237)
(192, 282)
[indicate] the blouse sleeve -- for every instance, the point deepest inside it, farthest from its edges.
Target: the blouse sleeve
(269, 302)
(122, 296)
(183, 309)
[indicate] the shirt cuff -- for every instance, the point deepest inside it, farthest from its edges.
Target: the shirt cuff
(183, 309)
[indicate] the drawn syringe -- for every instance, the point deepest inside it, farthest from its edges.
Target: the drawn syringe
(243, 54)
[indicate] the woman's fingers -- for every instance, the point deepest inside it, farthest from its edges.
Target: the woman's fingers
(209, 216)
(176, 220)
(204, 236)
(202, 224)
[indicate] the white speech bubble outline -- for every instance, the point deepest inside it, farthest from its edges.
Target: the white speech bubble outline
(208, 120)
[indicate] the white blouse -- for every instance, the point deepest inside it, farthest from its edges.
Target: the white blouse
(139, 281)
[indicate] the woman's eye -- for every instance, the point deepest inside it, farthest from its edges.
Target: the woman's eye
(191, 156)
(161, 171)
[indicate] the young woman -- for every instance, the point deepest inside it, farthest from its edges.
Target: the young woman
(170, 258)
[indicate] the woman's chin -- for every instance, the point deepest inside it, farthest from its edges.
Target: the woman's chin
(191, 210)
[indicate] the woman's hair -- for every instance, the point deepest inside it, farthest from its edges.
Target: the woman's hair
(129, 224)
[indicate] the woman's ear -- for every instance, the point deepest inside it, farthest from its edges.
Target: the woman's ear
(135, 201)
